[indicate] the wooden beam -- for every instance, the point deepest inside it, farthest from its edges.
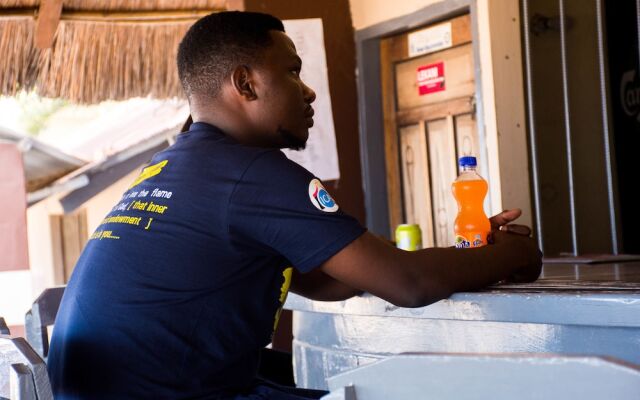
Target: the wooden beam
(429, 112)
(235, 5)
(48, 19)
(159, 16)
(392, 159)
(55, 224)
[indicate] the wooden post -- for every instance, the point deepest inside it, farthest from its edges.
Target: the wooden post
(48, 19)
(235, 5)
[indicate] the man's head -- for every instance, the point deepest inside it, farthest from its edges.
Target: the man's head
(241, 73)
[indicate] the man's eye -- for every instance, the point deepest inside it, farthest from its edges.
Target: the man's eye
(295, 72)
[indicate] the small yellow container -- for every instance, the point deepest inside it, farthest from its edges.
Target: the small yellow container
(409, 237)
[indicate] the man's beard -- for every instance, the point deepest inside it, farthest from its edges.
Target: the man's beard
(291, 141)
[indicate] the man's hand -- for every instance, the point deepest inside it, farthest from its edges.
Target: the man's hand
(502, 222)
(525, 251)
(531, 255)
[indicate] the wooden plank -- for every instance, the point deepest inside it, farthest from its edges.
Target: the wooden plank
(83, 230)
(70, 244)
(458, 74)
(235, 5)
(48, 19)
(460, 34)
(509, 141)
(462, 105)
(467, 141)
(122, 16)
(415, 180)
(442, 156)
(392, 162)
(74, 237)
(461, 30)
(398, 47)
(55, 224)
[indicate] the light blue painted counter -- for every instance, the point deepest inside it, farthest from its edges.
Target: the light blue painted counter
(573, 309)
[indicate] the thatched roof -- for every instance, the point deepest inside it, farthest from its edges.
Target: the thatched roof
(102, 49)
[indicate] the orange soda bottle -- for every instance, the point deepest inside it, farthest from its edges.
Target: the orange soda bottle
(472, 225)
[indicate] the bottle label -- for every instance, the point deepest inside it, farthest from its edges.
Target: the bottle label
(472, 239)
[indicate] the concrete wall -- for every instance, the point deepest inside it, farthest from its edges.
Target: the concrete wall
(43, 274)
(365, 13)
(14, 262)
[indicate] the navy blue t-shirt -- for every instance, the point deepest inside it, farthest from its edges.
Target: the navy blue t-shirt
(181, 284)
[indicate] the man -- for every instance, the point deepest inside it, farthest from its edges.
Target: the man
(181, 285)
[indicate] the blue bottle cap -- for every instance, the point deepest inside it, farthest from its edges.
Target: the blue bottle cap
(467, 161)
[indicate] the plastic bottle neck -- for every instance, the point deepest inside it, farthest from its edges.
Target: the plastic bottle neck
(468, 168)
(469, 173)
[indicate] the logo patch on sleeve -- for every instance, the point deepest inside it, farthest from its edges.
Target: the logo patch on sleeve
(320, 198)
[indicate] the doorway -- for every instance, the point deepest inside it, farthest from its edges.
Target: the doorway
(429, 112)
(419, 85)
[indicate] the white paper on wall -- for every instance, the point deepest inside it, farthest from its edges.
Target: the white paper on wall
(321, 154)
(430, 40)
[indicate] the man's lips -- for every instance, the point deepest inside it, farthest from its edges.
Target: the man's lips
(309, 113)
(309, 116)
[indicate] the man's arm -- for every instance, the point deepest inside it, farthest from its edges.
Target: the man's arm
(414, 279)
(316, 285)
(418, 278)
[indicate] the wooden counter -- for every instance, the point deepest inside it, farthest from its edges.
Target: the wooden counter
(572, 309)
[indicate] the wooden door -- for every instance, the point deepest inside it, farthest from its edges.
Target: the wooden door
(69, 236)
(429, 116)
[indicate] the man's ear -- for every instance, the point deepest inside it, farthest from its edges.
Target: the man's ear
(242, 81)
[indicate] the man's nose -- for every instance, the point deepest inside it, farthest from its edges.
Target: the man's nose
(309, 94)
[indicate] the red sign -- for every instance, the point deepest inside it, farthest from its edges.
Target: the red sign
(431, 78)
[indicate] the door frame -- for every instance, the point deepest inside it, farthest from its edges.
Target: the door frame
(372, 150)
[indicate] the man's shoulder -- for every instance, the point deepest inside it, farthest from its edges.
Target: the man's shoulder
(223, 152)
(277, 166)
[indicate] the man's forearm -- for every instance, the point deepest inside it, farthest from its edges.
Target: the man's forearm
(444, 271)
(316, 285)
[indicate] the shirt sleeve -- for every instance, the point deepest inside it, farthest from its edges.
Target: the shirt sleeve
(280, 207)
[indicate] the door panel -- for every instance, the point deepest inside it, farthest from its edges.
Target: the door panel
(429, 119)
(458, 77)
(442, 154)
(467, 137)
(415, 180)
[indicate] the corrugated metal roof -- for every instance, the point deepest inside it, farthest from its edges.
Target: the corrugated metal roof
(95, 177)
(43, 164)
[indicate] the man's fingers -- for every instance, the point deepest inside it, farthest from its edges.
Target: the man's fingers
(517, 229)
(504, 218)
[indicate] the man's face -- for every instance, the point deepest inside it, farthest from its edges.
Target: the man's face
(283, 110)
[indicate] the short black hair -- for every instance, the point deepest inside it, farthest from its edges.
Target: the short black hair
(219, 42)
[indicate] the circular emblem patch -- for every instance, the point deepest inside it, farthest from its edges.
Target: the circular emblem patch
(321, 198)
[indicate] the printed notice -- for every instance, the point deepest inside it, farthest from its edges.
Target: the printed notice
(321, 154)
(429, 40)
(431, 78)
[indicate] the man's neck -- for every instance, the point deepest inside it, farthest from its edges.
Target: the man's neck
(226, 121)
